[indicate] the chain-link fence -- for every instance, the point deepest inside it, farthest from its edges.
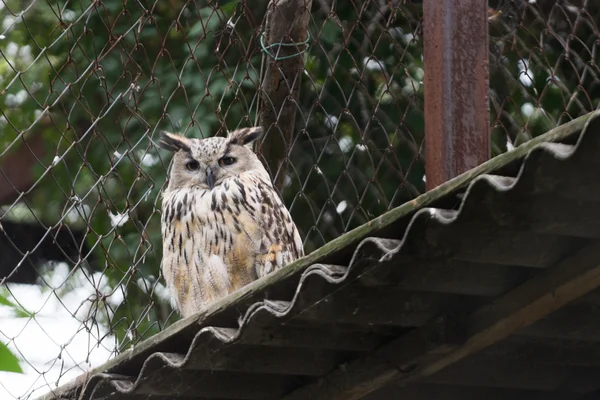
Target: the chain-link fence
(544, 66)
(86, 86)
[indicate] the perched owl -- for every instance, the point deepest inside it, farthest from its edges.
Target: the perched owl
(223, 223)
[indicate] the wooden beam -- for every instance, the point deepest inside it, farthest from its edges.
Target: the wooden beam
(544, 351)
(420, 354)
(213, 385)
(525, 374)
(331, 337)
(266, 360)
(430, 391)
(445, 275)
(358, 378)
(386, 306)
(590, 396)
(576, 322)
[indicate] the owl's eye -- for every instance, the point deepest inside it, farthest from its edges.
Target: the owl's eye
(226, 161)
(192, 165)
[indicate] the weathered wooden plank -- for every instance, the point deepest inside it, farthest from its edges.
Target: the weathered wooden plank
(592, 298)
(376, 369)
(430, 391)
(385, 305)
(217, 384)
(576, 322)
(589, 396)
(552, 289)
(332, 337)
(569, 279)
(537, 203)
(523, 374)
(495, 245)
(543, 351)
(575, 188)
(114, 395)
(267, 360)
(545, 214)
(445, 275)
(383, 332)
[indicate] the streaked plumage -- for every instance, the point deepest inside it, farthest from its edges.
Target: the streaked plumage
(223, 223)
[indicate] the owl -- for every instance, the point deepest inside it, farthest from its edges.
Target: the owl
(223, 224)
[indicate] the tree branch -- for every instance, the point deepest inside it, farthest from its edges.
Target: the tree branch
(286, 23)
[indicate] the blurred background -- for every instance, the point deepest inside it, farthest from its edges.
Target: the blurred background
(85, 87)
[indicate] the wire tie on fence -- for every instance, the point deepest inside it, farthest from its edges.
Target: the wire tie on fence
(267, 49)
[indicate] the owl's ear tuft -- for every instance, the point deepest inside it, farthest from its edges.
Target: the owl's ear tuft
(245, 136)
(173, 142)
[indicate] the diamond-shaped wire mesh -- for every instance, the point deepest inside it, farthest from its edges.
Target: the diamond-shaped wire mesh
(544, 66)
(87, 85)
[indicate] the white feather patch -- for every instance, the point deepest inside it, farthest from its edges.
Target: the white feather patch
(218, 270)
(173, 299)
(268, 267)
(202, 204)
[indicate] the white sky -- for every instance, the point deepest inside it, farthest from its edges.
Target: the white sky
(53, 332)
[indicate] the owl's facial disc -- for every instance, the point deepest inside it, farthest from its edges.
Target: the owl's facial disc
(207, 163)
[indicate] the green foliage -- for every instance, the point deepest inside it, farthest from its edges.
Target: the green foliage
(8, 361)
(17, 309)
(535, 85)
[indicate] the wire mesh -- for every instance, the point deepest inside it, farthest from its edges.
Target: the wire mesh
(544, 67)
(86, 86)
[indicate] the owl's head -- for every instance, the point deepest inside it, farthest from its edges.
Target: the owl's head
(206, 163)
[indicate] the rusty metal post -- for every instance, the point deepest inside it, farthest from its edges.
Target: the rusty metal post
(457, 132)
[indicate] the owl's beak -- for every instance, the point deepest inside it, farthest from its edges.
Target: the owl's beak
(210, 178)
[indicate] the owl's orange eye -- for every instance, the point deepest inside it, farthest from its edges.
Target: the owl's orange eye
(226, 161)
(192, 165)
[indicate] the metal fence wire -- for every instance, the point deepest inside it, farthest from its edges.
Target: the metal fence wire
(544, 67)
(85, 87)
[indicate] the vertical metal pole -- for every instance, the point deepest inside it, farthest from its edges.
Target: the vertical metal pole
(457, 132)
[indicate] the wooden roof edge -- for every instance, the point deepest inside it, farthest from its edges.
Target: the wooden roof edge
(237, 299)
(449, 339)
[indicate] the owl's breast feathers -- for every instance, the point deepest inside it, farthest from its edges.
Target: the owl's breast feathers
(216, 241)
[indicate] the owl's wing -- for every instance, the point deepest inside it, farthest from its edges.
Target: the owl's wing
(280, 242)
